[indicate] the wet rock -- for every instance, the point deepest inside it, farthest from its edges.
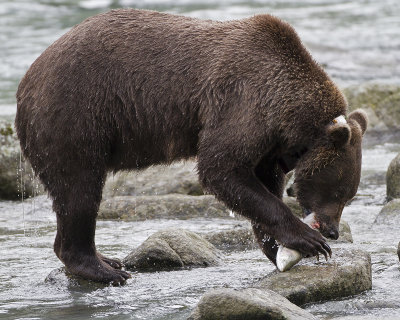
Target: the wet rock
(172, 248)
(347, 273)
(294, 206)
(345, 235)
(398, 250)
(381, 102)
(180, 177)
(366, 317)
(241, 237)
(393, 178)
(175, 206)
(61, 277)
(390, 213)
(255, 304)
(16, 175)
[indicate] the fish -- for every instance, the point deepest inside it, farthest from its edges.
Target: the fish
(286, 258)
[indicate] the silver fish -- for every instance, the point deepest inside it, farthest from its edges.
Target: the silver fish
(286, 258)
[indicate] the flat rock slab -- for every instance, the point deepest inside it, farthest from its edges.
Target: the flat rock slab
(171, 249)
(254, 304)
(179, 177)
(347, 273)
(390, 213)
(171, 206)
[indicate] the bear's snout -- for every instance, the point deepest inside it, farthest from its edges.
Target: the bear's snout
(333, 234)
(330, 232)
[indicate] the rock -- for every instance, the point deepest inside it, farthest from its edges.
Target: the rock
(16, 175)
(390, 213)
(180, 177)
(239, 238)
(366, 317)
(294, 206)
(393, 179)
(398, 251)
(347, 273)
(62, 278)
(381, 102)
(254, 304)
(345, 235)
(172, 248)
(175, 206)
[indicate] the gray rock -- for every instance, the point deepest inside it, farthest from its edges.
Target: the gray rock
(172, 248)
(367, 317)
(254, 304)
(347, 273)
(180, 177)
(16, 175)
(390, 213)
(381, 102)
(241, 237)
(393, 179)
(61, 277)
(398, 250)
(175, 206)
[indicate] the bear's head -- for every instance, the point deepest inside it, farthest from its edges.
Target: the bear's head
(328, 175)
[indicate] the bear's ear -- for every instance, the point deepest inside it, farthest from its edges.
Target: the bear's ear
(361, 118)
(339, 133)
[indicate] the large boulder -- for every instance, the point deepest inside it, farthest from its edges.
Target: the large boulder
(16, 176)
(393, 179)
(254, 304)
(381, 102)
(390, 213)
(172, 206)
(179, 177)
(347, 273)
(170, 249)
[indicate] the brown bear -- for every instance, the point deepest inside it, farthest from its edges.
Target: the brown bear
(130, 88)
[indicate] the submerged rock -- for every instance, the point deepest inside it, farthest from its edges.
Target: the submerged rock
(254, 304)
(61, 277)
(390, 213)
(175, 206)
(347, 273)
(172, 248)
(381, 102)
(393, 178)
(241, 237)
(179, 177)
(16, 175)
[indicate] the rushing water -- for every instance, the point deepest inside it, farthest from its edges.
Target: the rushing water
(357, 41)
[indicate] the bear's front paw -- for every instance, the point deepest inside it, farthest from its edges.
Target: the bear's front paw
(308, 242)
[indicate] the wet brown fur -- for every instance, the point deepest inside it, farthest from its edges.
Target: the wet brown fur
(129, 88)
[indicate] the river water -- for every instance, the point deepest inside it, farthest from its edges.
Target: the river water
(356, 41)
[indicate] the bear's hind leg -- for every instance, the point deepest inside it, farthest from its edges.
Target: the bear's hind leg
(76, 199)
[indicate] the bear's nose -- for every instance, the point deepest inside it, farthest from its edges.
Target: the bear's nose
(333, 234)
